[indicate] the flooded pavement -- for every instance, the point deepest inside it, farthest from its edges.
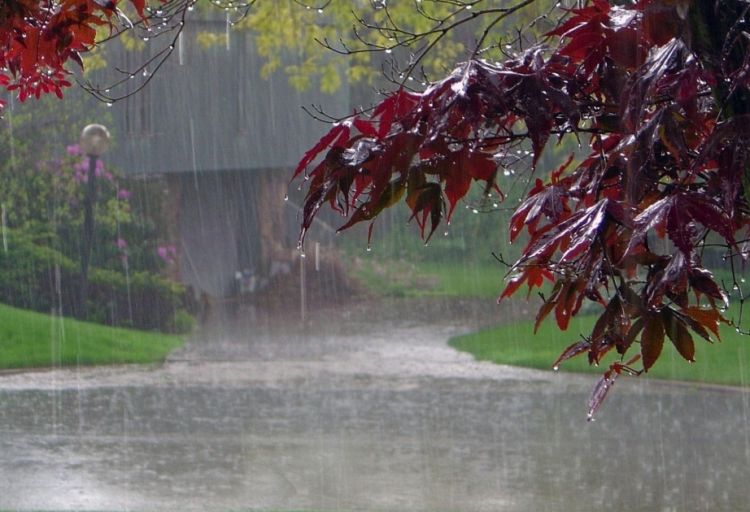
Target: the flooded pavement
(362, 412)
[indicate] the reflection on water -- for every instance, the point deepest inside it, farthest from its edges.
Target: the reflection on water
(344, 433)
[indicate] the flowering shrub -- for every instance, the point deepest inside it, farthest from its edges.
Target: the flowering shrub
(124, 236)
(44, 221)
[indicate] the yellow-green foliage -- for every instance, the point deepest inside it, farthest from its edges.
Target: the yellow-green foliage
(285, 28)
(206, 39)
(93, 60)
(289, 36)
(131, 43)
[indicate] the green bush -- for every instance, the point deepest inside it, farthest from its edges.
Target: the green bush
(184, 322)
(35, 276)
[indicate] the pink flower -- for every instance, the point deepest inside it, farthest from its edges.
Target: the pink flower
(74, 150)
(123, 194)
(122, 244)
(168, 253)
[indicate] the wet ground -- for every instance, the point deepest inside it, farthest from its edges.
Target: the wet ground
(362, 411)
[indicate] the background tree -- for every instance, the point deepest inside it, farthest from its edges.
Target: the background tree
(40, 40)
(656, 91)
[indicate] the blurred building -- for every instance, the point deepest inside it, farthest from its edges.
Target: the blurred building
(225, 141)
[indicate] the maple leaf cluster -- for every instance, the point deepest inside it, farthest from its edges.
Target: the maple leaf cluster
(658, 90)
(38, 38)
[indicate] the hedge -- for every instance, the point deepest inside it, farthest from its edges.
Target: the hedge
(37, 277)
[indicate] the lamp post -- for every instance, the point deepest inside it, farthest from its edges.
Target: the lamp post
(94, 143)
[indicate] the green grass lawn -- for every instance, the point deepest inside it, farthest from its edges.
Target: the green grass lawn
(32, 340)
(721, 363)
(727, 362)
(400, 278)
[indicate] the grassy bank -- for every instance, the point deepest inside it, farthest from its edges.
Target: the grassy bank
(401, 278)
(31, 340)
(720, 363)
(726, 362)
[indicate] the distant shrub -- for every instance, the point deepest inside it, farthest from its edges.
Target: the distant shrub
(184, 322)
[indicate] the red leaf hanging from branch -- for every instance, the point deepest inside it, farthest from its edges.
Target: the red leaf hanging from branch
(38, 39)
(661, 90)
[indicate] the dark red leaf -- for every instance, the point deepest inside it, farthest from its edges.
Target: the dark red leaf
(634, 330)
(652, 340)
(337, 135)
(573, 350)
(533, 276)
(678, 333)
(702, 282)
(601, 389)
(457, 184)
(424, 201)
(139, 5)
(661, 22)
(563, 309)
(549, 201)
(549, 303)
(365, 127)
(673, 278)
(677, 214)
(705, 317)
(514, 284)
